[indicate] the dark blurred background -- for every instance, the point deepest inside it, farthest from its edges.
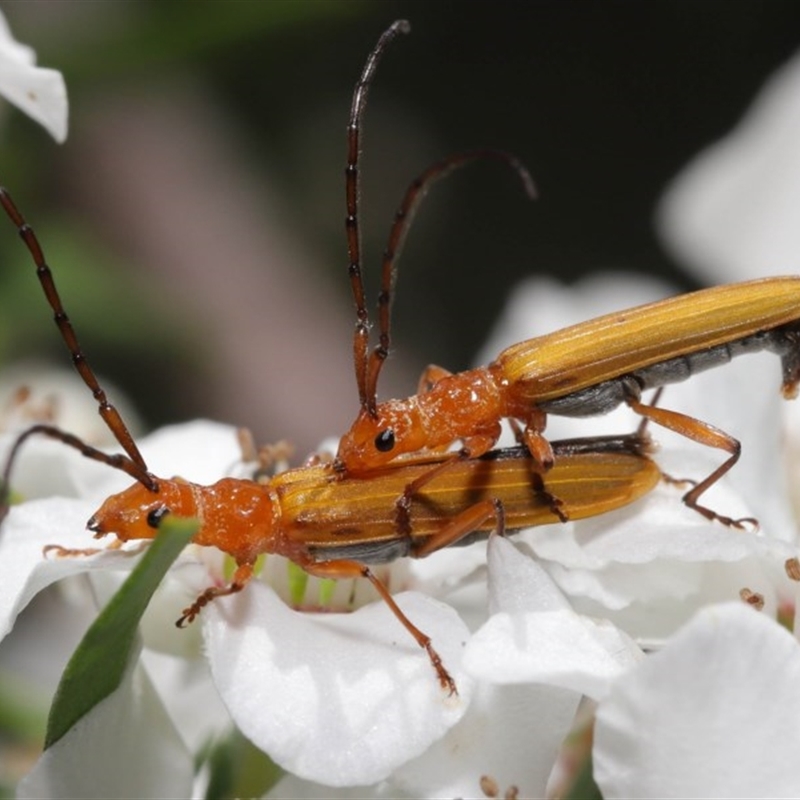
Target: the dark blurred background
(194, 218)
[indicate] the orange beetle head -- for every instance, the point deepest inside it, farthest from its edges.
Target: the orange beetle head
(136, 512)
(376, 440)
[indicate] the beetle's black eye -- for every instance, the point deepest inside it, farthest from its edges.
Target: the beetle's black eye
(155, 515)
(384, 441)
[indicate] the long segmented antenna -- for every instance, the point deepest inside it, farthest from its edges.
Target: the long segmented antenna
(361, 336)
(368, 365)
(133, 463)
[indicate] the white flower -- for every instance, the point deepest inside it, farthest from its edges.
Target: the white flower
(38, 91)
(348, 700)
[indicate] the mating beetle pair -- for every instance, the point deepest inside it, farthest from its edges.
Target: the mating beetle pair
(394, 488)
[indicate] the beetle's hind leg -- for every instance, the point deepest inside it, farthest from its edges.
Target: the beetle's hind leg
(706, 434)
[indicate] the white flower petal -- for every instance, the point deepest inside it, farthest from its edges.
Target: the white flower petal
(25, 571)
(15, 50)
(201, 451)
(657, 552)
(37, 91)
(517, 584)
(40, 93)
(510, 733)
(337, 699)
(716, 713)
(189, 697)
(534, 636)
(45, 467)
(732, 213)
(125, 746)
(660, 527)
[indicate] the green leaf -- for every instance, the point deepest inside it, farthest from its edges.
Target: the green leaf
(237, 768)
(97, 665)
(584, 787)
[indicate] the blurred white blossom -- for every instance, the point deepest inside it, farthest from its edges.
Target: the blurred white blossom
(732, 213)
(37, 91)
